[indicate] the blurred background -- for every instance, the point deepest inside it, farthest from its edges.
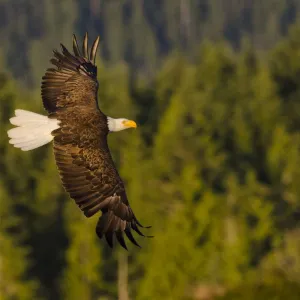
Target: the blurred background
(214, 165)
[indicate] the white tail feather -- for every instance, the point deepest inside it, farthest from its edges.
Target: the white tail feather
(33, 131)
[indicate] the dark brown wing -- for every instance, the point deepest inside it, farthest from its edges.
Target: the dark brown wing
(74, 81)
(82, 155)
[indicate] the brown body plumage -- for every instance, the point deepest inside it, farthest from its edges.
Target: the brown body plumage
(86, 168)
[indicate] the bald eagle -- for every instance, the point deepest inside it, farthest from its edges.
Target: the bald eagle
(79, 132)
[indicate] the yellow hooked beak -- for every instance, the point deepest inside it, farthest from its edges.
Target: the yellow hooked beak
(129, 124)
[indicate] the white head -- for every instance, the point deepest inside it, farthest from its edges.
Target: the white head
(119, 124)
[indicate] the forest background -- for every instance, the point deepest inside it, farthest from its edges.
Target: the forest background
(214, 86)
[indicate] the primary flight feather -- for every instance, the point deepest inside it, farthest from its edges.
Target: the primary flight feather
(79, 132)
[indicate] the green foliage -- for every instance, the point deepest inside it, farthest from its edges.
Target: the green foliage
(280, 289)
(213, 166)
(14, 252)
(82, 275)
(139, 32)
(13, 255)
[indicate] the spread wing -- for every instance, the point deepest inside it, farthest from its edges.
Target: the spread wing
(74, 81)
(82, 155)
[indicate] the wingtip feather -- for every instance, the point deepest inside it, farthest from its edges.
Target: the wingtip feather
(85, 46)
(94, 50)
(75, 46)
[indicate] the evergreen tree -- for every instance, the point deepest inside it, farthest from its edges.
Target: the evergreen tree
(15, 261)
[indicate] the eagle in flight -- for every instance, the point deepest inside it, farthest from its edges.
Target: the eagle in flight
(79, 132)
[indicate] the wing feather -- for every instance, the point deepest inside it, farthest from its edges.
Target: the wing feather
(84, 162)
(85, 46)
(75, 46)
(94, 50)
(88, 174)
(73, 82)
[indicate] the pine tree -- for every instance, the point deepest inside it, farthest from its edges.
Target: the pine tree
(82, 275)
(15, 261)
(14, 282)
